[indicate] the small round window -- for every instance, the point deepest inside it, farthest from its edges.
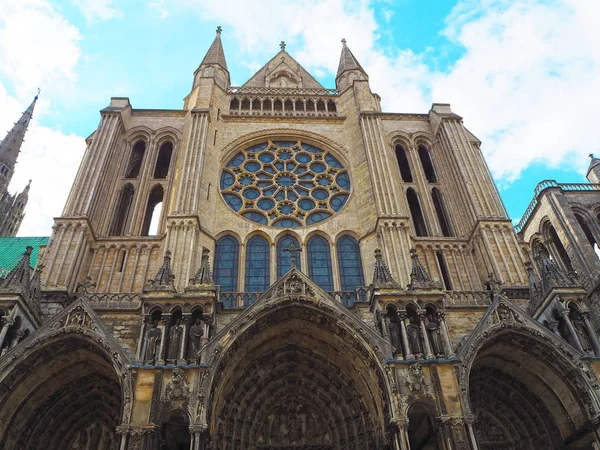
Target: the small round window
(285, 184)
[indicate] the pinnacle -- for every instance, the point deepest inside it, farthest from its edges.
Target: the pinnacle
(348, 61)
(11, 145)
(215, 53)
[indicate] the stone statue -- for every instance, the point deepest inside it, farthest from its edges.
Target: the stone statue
(435, 338)
(395, 331)
(152, 342)
(414, 336)
(581, 332)
(195, 334)
(175, 334)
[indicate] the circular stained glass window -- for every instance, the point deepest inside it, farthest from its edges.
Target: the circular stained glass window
(285, 184)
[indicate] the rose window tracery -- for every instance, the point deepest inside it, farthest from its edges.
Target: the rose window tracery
(285, 184)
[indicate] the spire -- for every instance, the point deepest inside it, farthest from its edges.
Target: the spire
(419, 278)
(203, 277)
(11, 144)
(215, 54)
(382, 277)
(348, 61)
(552, 274)
(164, 280)
(19, 277)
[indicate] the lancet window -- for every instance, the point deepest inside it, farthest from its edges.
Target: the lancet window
(135, 160)
(426, 164)
(153, 211)
(257, 265)
(163, 161)
(440, 211)
(121, 214)
(416, 212)
(403, 165)
(319, 262)
(226, 264)
(349, 263)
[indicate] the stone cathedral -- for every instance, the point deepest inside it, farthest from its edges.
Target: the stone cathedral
(284, 266)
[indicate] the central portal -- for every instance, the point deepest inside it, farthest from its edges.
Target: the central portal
(297, 379)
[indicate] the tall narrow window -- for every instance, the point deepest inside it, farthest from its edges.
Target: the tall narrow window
(444, 270)
(586, 230)
(135, 160)
(427, 164)
(350, 264)
(416, 213)
(284, 258)
(560, 249)
(440, 211)
(403, 164)
(227, 254)
(153, 211)
(257, 265)
(163, 160)
(319, 263)
(121, 216)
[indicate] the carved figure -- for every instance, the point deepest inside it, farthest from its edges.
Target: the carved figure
(414, 336)
(152, 341)
(196, 332)
(435, 338)
(177, 388)
(415, 380)
(175, 334)
(584, 339)
(395, 330)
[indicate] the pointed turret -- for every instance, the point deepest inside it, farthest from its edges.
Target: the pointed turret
(214, 64)
(11, 146)
(349, 69)
(593, 172)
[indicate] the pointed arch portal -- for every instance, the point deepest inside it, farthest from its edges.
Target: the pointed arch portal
(297, 378)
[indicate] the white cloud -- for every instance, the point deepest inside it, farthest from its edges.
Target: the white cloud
(39, 47)
(95, 10)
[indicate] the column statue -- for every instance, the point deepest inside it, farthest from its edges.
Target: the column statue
(175, 334)
(152, 340)
(195, 335)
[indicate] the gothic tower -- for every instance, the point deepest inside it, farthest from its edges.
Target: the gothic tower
(281, 265)
(12, 207)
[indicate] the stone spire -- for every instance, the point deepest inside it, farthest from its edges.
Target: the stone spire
(164, 280)
(419, 278)
(11, 146)
(552, 274)
(203, 277)
(382, 277)
(348, 63)
(19, 278)
(215, 54)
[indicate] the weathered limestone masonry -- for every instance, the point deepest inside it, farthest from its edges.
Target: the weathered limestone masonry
(283, 266)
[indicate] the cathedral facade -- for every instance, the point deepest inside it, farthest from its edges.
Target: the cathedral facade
(282, 266)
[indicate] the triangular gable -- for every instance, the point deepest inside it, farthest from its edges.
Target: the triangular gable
(282, 63)
(503, 314)
(296, 284)
(78, 318)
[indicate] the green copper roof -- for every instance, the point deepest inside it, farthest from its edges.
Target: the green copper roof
(12, 249)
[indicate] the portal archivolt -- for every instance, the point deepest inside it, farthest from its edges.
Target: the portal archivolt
(298, 381)
(64, 395)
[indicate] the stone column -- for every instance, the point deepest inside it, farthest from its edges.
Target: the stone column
(185, 323)
(404, 443)
(590, 331)
(565, 315)
(428, 353)
(160, 358)
(384, 320)
(404, 334)
(140, 344)
(446, 336)
(472, 435)
(7, 322)
(123, 430)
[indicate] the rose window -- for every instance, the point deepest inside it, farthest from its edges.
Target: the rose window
(285, 184)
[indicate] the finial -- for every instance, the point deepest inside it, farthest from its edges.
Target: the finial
(219, 29)
(344, 41)
(38, 94)
(591, 155)
(282, 45)
(292, 249)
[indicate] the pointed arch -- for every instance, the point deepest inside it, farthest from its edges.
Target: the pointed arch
(583, 223)
(163, 160)
(154, 199)
(122, 211)
(426, 163)
(403, 164)
(136, 159)
(319, 262)
(349, 263)
(257, 264)
(227, 253)
(416, 212)
(441, 212)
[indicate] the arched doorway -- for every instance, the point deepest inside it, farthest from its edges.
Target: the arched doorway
(64, 394)
(422, 431)
(297, 378)
(526, 395)
(175, 434)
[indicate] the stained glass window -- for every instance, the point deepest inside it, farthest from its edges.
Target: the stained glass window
(319, 262)
(350, 264)
(257, 265)
(284, 258)
(226, 264)
(285, 184)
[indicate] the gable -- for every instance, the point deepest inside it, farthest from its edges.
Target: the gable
(283, 71)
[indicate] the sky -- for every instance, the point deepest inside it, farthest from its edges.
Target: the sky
(524, 74)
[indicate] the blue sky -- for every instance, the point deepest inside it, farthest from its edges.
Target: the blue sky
(524, 74)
